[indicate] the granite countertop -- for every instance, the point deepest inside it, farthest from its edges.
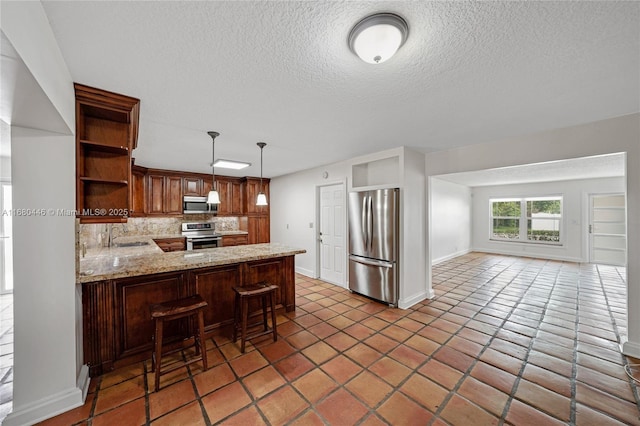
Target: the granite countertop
(129, 261)
(141, 244)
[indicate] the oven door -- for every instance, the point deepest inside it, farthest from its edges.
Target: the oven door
(198, 243)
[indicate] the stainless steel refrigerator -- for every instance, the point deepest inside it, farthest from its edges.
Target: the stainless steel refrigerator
(374, 219)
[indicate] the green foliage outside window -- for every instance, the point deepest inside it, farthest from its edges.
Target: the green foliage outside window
(541, 216)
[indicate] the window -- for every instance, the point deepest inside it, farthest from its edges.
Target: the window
(527, 220)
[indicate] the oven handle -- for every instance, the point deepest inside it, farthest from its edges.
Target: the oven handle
(204, 238)
(190, 240)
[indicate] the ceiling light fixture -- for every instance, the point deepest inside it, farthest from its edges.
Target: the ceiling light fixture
(262, 199)
(376, 38)
(231, 164)
(213, 197)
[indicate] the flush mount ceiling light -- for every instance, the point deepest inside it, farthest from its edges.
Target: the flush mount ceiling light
(376, 38)
(261, 199)
(231, 164)
(213, 197)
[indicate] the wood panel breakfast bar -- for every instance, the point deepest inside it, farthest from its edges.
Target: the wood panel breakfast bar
(120, 283)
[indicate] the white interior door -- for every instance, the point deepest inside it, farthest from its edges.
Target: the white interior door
(607, 229)
(332, 234)
(6, 244)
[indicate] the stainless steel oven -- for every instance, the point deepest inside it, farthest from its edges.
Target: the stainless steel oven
(201, 235)
(197, 243)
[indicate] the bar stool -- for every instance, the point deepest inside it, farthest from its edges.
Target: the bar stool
(263, 292)
(168, 311)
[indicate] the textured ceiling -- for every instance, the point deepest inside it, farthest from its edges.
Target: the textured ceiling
(599, 166)
(281, 72)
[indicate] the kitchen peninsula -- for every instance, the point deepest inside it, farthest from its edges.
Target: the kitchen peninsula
(119, 283)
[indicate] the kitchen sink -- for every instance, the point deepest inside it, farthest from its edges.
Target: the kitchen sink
(133, 244)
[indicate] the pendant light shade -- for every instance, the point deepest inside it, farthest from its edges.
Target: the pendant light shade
(262, 198)
(376, 38)
(213, 197)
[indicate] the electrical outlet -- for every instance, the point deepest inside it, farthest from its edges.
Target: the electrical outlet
(310, 224)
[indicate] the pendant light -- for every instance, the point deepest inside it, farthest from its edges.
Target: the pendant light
(213, 197)
(376, 38)
(262, 199)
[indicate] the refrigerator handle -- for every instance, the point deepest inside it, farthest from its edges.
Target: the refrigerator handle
(370, 230)
(371, 262)
(363, 223)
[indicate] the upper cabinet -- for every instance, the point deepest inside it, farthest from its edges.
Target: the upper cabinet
(138, 201)
(164, 190)
(192, 186)
(106, 133)
(164, 194)
(231, 196)
(252, 189)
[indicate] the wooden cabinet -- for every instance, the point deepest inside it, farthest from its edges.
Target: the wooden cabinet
(235, 240)
(172, 244)
(192, 186)
(215, 285)
(258, 223)
(259, 229)
(117, 325)
(164, 194)
(206, 187)
(106, 133)
(278, 271)
(252, 188)
(231, 196)
(138, 192)
(133, 324)
(173, 197)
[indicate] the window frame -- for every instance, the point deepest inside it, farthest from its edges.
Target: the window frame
(523, 220)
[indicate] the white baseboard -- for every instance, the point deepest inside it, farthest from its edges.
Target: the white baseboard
(530, 255)
(46, 408)
(630, 349)
(83, 381)
(450, 256)
(336, 284)
(406, 303)
(306, 272)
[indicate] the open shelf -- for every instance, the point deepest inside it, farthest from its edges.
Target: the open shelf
(106, 133)
(107, 181)
(377, 173)
(99, 146)
(113, 197)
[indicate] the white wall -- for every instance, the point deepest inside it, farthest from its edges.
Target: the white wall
(5, 158)
(45, 358)
(413, 280)
(574, 222)
(48, 374)
(26, 26)
(5, 168)
(450, 220)
(620, 134)
(293, 203)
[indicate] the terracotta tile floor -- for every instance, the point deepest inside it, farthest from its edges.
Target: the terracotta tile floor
(505, 340)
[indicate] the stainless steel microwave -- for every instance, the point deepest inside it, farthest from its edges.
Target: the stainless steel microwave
(198, 205)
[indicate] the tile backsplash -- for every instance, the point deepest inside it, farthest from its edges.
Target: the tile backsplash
(95, 235)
